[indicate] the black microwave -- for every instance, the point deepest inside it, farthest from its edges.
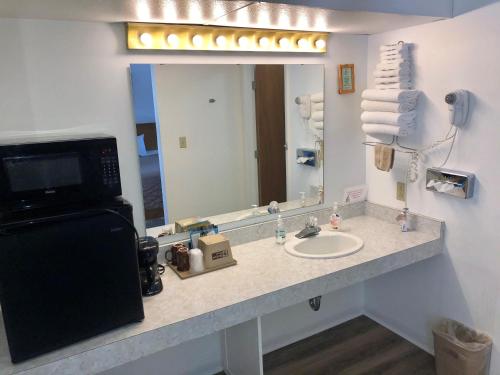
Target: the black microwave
(43, 171)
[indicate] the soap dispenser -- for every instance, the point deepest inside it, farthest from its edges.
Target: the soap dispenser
(403, 220)
(335, 218)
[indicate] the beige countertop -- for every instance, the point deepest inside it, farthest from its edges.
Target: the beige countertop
(266, 279)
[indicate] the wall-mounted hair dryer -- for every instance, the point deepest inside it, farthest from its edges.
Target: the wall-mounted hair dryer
(458, 105)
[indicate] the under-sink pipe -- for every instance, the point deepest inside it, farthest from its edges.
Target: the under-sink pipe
(315, 303)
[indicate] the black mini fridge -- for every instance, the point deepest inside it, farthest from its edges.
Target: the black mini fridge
(68, 275)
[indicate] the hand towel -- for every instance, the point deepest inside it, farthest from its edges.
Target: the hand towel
(393, 47)
(378, 106)
(393, 65)
(392, 72)
(389, 118)
(384, 157)
(385, 80)
(317, 116)
(317, 107)
(397, 96)
(384, 129)
(397, 85)
(317, 98)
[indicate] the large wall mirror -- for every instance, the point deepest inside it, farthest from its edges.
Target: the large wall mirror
(221, 142)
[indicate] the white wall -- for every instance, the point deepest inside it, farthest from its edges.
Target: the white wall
(301, 80)
(59, 75)
(207, 177)
(463, 284)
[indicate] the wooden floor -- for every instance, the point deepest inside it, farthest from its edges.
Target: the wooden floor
(357, 347)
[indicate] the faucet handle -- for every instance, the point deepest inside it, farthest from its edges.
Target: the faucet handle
(311, 222)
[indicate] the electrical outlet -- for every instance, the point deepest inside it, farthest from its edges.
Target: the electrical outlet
(182, 142)
(401, 191)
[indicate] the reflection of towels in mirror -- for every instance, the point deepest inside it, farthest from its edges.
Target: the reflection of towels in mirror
(304, 103)
(317, 98)
(318, 125)
(317, 116)
(317, 107)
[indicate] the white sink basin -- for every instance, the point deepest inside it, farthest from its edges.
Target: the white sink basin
(327, 244)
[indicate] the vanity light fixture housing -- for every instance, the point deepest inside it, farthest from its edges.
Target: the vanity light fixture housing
(155, 36)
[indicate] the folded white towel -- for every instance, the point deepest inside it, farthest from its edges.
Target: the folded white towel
(393, 60)
(388, 118)
(392, 72)
(396, 79)
(383, 129)
(317, 116)
(398, 96)
(398, 85)
(378, 106)
(317, 107)
(393, 65)
(317, 98)
(393, 47)
(402, 54)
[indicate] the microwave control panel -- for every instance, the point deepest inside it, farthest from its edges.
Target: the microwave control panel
(110, 168)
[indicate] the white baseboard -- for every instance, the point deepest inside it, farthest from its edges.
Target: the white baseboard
(382, 322)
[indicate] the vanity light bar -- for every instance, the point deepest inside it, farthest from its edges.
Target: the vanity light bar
(153, 36)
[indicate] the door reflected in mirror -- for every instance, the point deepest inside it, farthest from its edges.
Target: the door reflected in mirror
(221, 142)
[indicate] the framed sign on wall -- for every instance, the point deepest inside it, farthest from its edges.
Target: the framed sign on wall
(346, 79)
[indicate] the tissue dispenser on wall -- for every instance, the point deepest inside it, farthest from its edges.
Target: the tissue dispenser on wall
(307, 156)
(447, 181)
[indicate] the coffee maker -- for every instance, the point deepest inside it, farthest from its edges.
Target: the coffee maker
(148, 266)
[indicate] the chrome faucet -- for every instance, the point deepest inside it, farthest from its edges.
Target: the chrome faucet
(311, 229)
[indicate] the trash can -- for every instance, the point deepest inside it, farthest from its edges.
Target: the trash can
(461, 350)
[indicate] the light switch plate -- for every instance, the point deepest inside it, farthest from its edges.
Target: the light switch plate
(401, 191)
(182, 142)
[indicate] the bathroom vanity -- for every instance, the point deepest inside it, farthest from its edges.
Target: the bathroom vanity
(265, 280)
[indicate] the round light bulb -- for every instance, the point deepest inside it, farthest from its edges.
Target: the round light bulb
(243, 41)
(173, 40)
(284, 43)
(220, 41)
(320, 44)
(264, 42)
(303, 43)
(197, 40)
(146, 39)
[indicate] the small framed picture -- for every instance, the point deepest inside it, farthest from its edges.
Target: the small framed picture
(346, 79)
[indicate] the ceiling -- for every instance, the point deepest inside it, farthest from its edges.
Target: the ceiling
(212, 12)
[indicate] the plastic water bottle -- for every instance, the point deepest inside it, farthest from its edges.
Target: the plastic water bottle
(280, 231)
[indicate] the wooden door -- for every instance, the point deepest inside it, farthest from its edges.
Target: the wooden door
(270, 123)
